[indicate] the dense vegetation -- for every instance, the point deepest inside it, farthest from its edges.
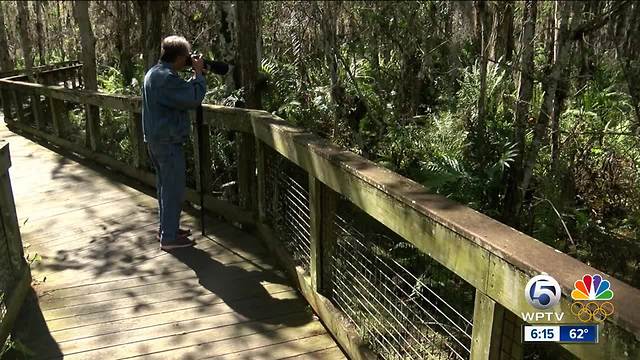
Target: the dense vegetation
(527, 111)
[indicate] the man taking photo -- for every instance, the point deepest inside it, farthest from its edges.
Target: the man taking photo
(166, 99)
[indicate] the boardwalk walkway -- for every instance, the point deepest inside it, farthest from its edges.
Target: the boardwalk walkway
(110, 293)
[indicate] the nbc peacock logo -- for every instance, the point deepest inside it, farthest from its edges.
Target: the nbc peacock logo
(591, 296)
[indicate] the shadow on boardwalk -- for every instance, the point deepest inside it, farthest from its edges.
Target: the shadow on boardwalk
(32, 333)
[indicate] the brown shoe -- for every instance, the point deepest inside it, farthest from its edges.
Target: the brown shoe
(180, 242)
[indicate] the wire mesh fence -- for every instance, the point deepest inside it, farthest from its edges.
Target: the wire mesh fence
(223, 166)
(403, 304)
(287, 206)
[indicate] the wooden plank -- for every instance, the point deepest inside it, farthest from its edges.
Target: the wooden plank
(227, 118)
(330, 353)
(75, 315)
(162, 312)
(302, 348)
(117, 102)
(487, 328)
(216, 342)
(165, 325)
(108, 292)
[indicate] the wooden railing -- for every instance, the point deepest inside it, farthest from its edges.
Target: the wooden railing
(15, 276)
(495, 259)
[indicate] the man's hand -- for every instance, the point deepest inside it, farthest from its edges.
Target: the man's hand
(197, 62)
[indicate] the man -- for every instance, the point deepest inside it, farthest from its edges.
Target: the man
(166, 99)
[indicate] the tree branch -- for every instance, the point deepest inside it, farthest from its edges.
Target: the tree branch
(579, 31)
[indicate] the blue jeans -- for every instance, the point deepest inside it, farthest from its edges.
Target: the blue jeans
(168, 160)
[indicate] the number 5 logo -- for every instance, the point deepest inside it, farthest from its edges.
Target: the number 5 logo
(542, 292)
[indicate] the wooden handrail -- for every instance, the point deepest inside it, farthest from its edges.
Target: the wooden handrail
(16, 271)
(41, 69)
(494, 258)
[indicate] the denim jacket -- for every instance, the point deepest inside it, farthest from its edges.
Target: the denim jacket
(166, 97)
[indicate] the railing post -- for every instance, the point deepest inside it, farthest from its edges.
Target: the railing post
(137, 140)
(6, 105)
(246, 149)
(15, 278)
(36, 110)
(79, 76)
(93, 127)
(17, 100)
(486, 338)
(8, 217)
(261, 180)
(60, 117)
(71, 75)
(201, 158)
(323, 205)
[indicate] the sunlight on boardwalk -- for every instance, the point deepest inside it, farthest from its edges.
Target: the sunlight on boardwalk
(111, 293)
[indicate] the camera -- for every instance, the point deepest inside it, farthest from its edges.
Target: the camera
(217, 67)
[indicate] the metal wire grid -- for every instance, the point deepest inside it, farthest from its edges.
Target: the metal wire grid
(511, 342)
(287, 206)
(7, 273)
(399, 315)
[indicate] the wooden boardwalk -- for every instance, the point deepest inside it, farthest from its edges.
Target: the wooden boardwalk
(107, 292)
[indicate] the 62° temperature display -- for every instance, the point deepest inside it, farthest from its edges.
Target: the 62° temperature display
(561, 333)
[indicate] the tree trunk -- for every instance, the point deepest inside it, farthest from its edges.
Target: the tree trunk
(551, 84)
(90, 79)
(247, 64)
(503, 45)
(477, 129)
(63, 55)
(72, 50)
(23, 27)
(124, 42)
(628, 53)
(525, 94)
(248, 58)
(558, 107)
(227, 38)
(88, 43)
(329, 22)
(6, 62)
(37, 6)
(151, 13)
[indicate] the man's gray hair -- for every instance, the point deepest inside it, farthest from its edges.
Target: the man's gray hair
(174, 46)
